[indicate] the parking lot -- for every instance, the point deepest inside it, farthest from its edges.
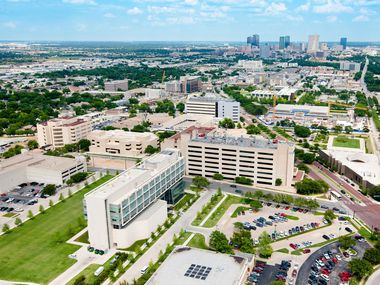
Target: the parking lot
(281, 224)
(338, 264)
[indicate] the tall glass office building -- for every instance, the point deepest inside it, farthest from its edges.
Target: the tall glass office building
(113, 207)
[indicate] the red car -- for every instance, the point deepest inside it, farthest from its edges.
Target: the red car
(283, 215)
(306, 250)
(325, 271)
(335, 260)
(292, 245)
(286, 208)
(345, 274)
(344, 279)
(294, 273)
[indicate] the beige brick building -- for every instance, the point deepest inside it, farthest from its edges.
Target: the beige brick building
(119, 142)
(261, 160)
(61, 131)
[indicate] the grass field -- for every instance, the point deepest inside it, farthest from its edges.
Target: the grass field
(198, 241)
(219, 212)
(294, 218)
(83, 238)
(137, 244)
(36, 251)
(185, 199)
(343, 141)
(88, 272)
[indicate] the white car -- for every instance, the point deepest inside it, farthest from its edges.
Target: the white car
(326, 256)
(338, 257)
(324, 276)
(332, 236)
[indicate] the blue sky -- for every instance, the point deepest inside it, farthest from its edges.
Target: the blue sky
(203, 20)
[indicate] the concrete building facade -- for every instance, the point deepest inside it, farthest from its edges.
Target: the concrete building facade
(61, 131)
(119, 142)
(116, 85)
(263, 161)
(313, 44)
(213, 105)
(127, 208)
(31, 167)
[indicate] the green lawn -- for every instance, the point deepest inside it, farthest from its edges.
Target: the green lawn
(239, 210)
(219, 212)
(283, 250)
(184, 238)
(186, 198)
(343, 141)
(198, 241)
(36, 251)
(88, 272)
(9, 215)
(294, 218)
(137, 244)
(83, 238)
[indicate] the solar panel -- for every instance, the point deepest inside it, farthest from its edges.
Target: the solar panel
(198, 271)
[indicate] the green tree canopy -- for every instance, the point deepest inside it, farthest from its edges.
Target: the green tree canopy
(219, 242)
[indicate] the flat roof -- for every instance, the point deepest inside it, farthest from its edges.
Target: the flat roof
(122, 135)
(36, 160)
(364, 164)
(210, 97)
(191, 266)
(256, 141)
(302, 108)
(126, 183)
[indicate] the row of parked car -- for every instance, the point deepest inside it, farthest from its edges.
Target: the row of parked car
(322, 268)
(294, 230)
(256, 272)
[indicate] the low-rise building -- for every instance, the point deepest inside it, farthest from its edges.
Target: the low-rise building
(32, 167)
(61, 131)
(131, 206)
(189, 266)
(119, 142)
(214, 105)
(350, 66)
(116, 85)
(304, 110)
(261, 160)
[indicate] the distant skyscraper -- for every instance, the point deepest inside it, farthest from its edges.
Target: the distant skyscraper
(284, 42)
(265, 51)
(254, 40)
(343, 42)
(313, 44)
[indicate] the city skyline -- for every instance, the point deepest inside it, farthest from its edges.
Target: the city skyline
(189, 20)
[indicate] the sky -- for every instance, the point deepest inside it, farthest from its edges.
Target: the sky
(188, 20)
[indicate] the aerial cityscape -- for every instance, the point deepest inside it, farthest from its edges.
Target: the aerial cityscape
(167, 142)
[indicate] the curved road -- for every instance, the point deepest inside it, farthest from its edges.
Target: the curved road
(374, 279)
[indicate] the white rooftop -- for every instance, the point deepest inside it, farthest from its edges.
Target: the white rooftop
(128, 181)
(222, 269)
(122, 135)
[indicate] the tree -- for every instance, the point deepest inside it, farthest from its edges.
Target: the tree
(18, 221)
(84, 144)
(277, 283)
(360, 267)
(278, 182)
(80, 280)
(252, 130)
(303, 167)
(61, 198)
(348, 129)
(329, 215)
(309, 186)
(218, 176)
(265, 250)
(302, 132)
(32, 144)
(219, 242)
(372, 255)
(227, 123)
(200, 182)
(242, 239)
(346, 242)
(77, 177)
(151, 149)
(375, 191)
(308, 158)
(30, 214)
(180, 107)
(243, 180)
(41, 209)
(6, 228)
(49, 190)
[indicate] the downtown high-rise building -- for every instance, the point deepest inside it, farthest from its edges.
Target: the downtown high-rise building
(313, 44)
(284, 42)
(265, 51)
(343, 42)
(254, 40)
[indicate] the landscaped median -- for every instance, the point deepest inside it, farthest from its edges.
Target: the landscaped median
(37, 250)
(215, 199)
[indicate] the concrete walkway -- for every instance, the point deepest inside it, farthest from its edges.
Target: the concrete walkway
(374, 279)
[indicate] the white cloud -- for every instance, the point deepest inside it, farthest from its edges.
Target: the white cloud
(303, 8)
(361, 18)
(81, 27)
(331, 19)
(191, 2)
(181, 20)
(91, 2)
(134, 11)
(109, 15)
(275, 8)
(10, 25)
(332, 6)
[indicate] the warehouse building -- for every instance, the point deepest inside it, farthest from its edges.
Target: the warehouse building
(130, 206)
(31, 167)
(261, 160)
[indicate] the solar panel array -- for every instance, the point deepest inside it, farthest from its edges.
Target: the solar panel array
(198, 271)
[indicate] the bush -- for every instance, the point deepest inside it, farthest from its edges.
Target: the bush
(302, 132)
(77, 177)
(243, 180)
(218, 176)
(49, 189)
(308, 186)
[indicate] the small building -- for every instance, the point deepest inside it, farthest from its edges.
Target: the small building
(350, 66)
(119, 142)
(33, 167)
(116, 85)
(189, 266)
(302, 110)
